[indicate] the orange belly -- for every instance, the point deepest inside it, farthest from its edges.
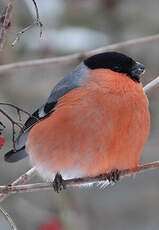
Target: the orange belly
(92, 131)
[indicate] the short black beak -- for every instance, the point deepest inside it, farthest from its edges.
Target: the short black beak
(137, 71)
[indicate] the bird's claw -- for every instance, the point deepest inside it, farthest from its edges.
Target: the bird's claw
(114, 176)
(58, 184)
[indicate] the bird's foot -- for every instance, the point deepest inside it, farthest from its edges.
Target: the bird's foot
(114, 176)
(58, 184)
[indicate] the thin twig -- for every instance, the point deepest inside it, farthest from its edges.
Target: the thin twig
(152, 85)
(36, 22)
(20, 125)
(78, 56)
(17, 108)
(75, 182)
(21, 180)
(7, 190)
(6, 23)
(8, 219)
(14, 124)
(3, 126)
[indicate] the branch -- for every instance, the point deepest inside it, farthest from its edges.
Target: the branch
(8, 219)
(21, 180)
(78, 56)
(17, 108)
(10, 189)
(36, 22)
(2, 126)
(11, 120)
(6, 19)
(151, 85)
(7, 190)
(14, 124)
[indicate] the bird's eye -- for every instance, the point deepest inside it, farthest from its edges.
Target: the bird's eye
(116, 68)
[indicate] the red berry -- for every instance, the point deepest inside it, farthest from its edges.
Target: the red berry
(2, 141)
(2, 21)
(51, 225)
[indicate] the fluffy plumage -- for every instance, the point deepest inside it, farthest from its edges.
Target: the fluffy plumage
(99, 122)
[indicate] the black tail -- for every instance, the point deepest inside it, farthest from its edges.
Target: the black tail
(13, 156)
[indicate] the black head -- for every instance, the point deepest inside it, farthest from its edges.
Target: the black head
(117, 62)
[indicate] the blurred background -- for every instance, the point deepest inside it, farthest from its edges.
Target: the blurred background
(72, 26)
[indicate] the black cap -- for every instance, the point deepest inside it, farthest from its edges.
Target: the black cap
(117, 62)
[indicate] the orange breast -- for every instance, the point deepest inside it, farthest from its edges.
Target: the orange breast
(94, 129)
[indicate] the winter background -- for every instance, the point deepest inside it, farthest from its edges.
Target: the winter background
(72, 26)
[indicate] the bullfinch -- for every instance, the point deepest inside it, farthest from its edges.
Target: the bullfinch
(96, 120)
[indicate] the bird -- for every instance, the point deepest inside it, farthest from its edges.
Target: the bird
(96, 120)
